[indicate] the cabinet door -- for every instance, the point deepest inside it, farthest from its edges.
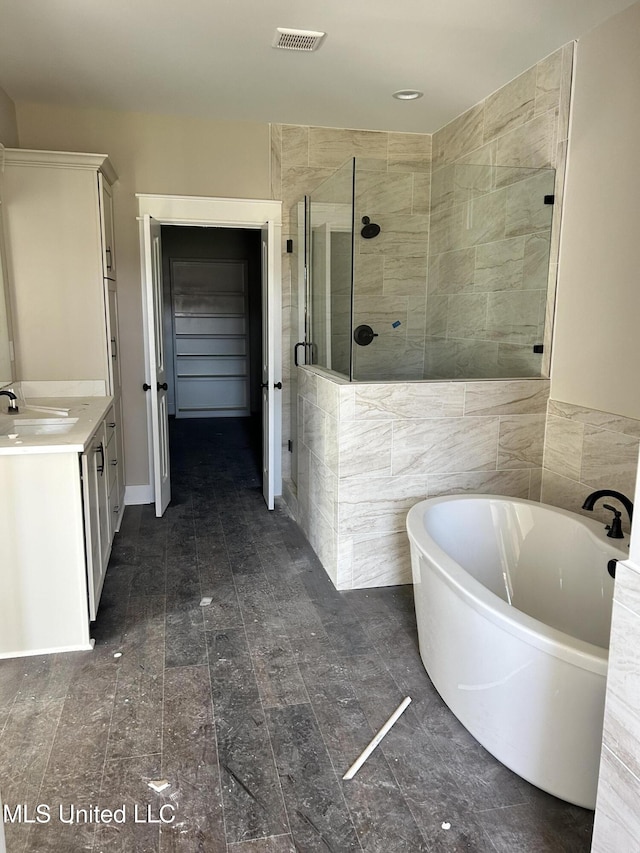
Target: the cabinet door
(94, 488)
(103, 506)
(108, 246)
(114, 466)
(120, 479)
(53, 235)
(114, 343)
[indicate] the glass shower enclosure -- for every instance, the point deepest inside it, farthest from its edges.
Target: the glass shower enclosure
(413, 279)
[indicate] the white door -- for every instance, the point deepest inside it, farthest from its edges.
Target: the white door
(271, 365)
(156, 383)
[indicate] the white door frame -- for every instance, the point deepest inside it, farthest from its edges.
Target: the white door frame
(212, 212)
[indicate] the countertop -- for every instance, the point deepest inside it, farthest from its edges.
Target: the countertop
(84, 415)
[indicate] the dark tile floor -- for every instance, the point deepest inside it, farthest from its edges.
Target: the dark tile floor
(252, 707)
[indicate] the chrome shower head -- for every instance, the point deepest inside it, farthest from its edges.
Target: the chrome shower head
(370, 229)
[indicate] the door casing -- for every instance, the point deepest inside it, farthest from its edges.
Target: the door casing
(261, 214)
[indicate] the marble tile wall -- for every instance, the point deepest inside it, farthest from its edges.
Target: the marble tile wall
(471, 325)
(368, 452)
(617, 821)
(390, 270)
(587, 450)
(493, 255)
(395, 172)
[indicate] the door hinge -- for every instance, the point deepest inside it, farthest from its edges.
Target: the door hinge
(550, 199)
(289, 247)
(290, 446)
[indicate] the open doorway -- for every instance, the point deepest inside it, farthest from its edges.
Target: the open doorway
(212, 296)
(264, 217)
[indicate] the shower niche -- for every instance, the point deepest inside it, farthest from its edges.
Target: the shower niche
(448, 273)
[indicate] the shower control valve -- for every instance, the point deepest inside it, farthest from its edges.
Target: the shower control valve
(363, 335)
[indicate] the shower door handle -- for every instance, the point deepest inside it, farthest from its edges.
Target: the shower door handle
(304, 344)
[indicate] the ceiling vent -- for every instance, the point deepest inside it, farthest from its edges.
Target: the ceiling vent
(288, 39)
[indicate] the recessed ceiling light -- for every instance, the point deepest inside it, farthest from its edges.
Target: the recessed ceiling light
(407, 94)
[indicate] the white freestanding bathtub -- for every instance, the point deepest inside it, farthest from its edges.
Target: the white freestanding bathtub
(513, 602)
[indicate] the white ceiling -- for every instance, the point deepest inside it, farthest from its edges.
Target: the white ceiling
(213, 58)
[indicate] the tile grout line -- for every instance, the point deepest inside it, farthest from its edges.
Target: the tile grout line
(244, 630)
(44, 772)
(213, 708)
(113, 703)
(271, 749)
(319, 728)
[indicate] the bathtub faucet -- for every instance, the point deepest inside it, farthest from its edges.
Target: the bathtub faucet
(13, 406)
(615, 528)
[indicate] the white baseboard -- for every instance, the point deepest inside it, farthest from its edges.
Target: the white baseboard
(134, 495)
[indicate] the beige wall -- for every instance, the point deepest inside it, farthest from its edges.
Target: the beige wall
(597, 348)
(8, 125)
(151, 154)
(593, 427)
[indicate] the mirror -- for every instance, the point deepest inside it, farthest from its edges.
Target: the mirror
(6, 345)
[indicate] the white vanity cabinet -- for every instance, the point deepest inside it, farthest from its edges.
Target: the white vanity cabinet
(61, 267)
(57, 520)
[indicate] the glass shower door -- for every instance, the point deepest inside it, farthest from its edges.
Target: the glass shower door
(330, 270)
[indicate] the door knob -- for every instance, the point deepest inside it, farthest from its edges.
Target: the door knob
(162, 386)
(146, 387)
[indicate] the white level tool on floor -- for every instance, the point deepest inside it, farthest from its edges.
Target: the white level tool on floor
(357, 764)
(3, 847)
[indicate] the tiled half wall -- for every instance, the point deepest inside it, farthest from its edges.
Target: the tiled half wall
(368, 452)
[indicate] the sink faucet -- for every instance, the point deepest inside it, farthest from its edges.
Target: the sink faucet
(12, 408)
(615, 528)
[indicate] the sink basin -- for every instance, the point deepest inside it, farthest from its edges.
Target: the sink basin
(37, 426)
